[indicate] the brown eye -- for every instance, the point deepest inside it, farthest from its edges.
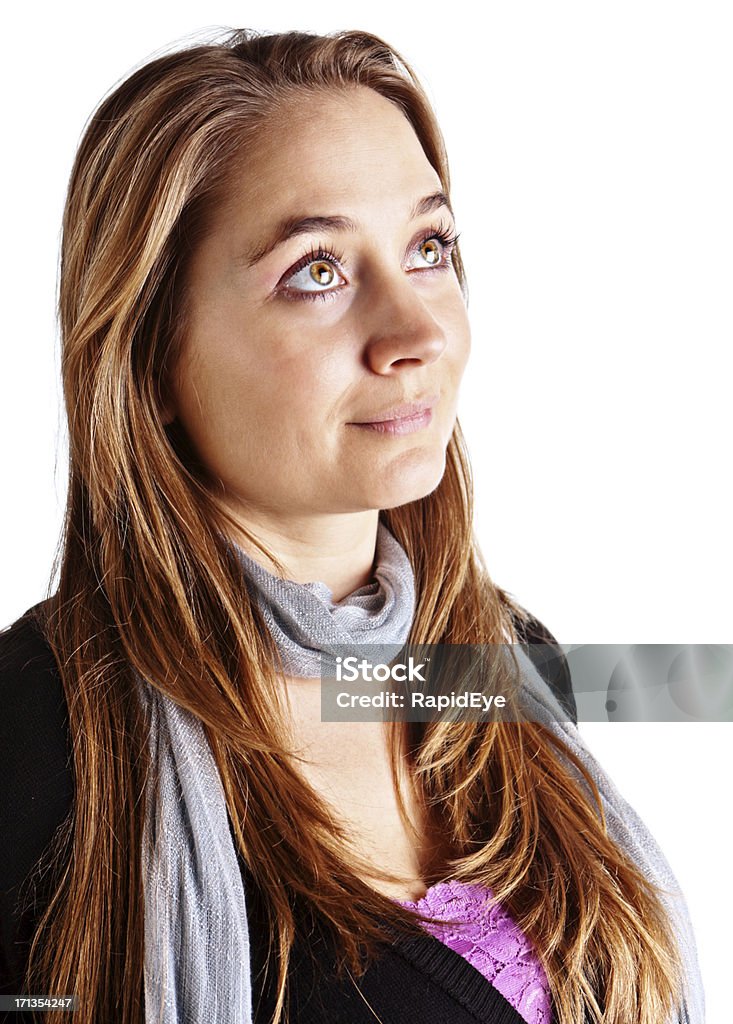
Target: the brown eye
(316, 275)
(322, 273)
(430, 251)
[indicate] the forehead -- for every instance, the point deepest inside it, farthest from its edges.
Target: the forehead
(345, 148)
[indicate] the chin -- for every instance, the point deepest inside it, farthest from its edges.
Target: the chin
(407, 480)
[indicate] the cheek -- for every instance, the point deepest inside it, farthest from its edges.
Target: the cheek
(458, 331)
(223, 372)
(267, 405)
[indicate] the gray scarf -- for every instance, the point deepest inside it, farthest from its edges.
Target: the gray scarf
(306, 624)
(197, 966)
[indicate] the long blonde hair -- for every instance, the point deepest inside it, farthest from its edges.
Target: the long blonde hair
(146, 582)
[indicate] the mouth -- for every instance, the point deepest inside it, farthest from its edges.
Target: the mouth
(407, 418)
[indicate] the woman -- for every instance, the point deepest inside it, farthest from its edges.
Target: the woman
(264, 332)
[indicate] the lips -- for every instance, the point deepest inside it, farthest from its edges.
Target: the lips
(405, 411)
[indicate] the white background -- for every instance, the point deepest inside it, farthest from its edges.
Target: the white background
(592, 159)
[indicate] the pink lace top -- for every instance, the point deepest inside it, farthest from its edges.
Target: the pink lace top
(488, 938)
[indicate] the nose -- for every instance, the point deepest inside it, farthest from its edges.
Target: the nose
(401, 328)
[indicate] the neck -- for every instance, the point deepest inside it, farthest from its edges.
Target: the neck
(337, 550)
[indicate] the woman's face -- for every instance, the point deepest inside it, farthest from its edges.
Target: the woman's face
(320, 299)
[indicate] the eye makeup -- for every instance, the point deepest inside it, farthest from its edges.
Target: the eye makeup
(323, 254)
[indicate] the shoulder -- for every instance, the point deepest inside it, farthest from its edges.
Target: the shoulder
(26, 657)
(548, 658)
(36, 786)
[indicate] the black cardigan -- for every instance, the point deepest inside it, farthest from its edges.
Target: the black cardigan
(416, 981)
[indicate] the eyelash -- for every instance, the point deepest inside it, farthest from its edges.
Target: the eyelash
(440, 233)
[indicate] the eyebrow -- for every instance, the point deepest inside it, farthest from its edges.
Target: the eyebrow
(292, 227)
